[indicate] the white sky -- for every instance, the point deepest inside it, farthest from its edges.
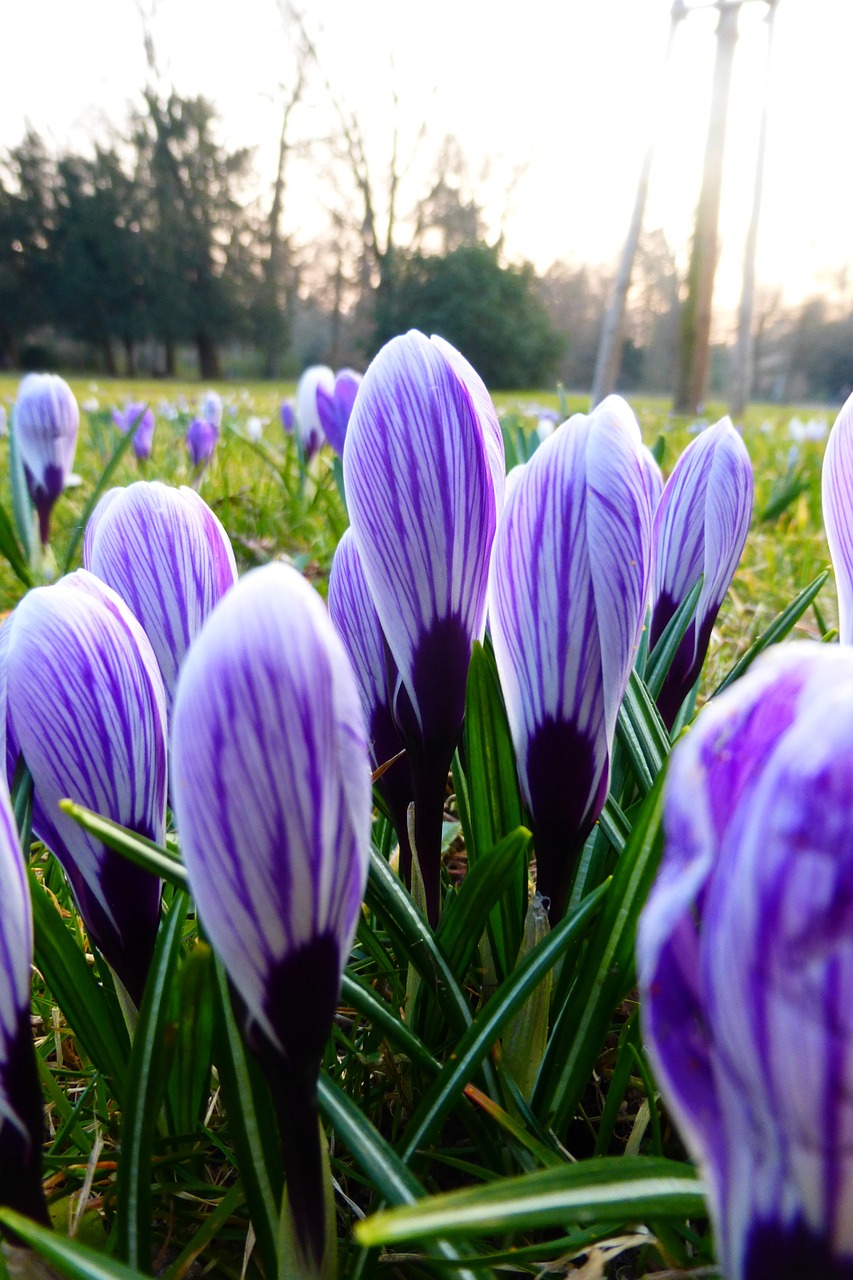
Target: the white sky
(561, 91)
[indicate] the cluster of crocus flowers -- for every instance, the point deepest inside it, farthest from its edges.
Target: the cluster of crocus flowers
(567, 597)
(745, 961)
(701, 523)
(424, 477)
(45, 423)
(86, 708)
(21, 1123)
(138, 418)
(271, 788)
(837, 497)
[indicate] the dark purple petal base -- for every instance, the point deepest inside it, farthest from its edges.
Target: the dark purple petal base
(565, 800)
(792, 1252)
(44, 493)
(20, 1157)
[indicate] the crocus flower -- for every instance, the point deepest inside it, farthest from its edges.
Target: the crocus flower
(335, 408)
(837, 495)
(700, 528)
(745, 960)
(354, 615)
(211, 409)
(271, 785)
(202, 437)
(254, 427)
(288, 417)
(424, 476)
(654, 476)
(45, 423)
(168, 557)
(567, 595)
(21, 1122)
(309, 425)
(138, 418)
(86, 707)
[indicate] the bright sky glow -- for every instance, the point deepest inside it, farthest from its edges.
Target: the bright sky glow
(561, 96)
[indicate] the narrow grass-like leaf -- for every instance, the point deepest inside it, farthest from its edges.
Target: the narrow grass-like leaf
(606, 1189)
(643, 733)
(522, 1136)
(378, 1159)
(193, 1010)
(76, 1261)
(252, 1126)
(207, 1232)
(778, 629)
(493, 799)
(146, 1085)
(381, 1017)
(138, 849)
(22, 505)
(660, 659)
(387, 897)
(11, 549)
(118, 453)
(606, 973)
(77, 991)
(464, 917)
(475, 1045)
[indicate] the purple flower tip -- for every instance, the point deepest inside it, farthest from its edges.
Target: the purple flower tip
(745, 960)
(46, 421)
(202, 438)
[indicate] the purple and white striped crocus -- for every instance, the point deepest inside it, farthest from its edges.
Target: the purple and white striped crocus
(837, 498)
(271, 787)
(21, 1120)
(700, 528)
(168, 557)
(85, 706)
(745, 961)
(567, 595)
(138, 418)
(424, 477)
(211, 409)
(335, 407)
(202, 438)
(45, 422)
(354, 615)
(309, 424)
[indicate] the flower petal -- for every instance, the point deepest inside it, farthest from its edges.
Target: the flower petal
(271, 785)
(168, 557)
(86, 703)
(837, 497)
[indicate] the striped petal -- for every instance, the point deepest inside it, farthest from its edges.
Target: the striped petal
(309, 424)
(754, 898)
(168, 557)
(271, 783)
(420, 469)
(700, 528)
(837, 496)
(45, 423)
(566, 597)
(86, 704)
(420, 487)
(21, 1122)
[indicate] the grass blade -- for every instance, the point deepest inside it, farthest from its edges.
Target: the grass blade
(76, 1261)
(642, 733)
(617, 1188)
(660, 659)
(146, 1085)
(138, 849)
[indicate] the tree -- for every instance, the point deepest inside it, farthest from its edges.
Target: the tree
(27, 268)
(492, 313)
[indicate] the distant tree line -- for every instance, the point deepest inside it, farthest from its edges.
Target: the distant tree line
(148, 247)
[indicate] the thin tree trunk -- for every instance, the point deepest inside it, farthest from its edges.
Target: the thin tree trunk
(609, 356)
(743, 363)
(208, 358)
(695, 320)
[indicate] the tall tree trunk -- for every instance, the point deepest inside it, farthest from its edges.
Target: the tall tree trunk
(743, 363)
(109, 359)
(609, 356)
(695, 320)
(208, 358)
(130, 357)
(170, 358)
